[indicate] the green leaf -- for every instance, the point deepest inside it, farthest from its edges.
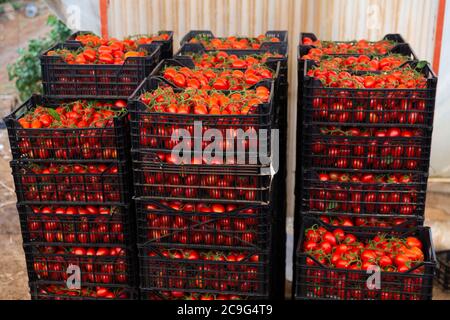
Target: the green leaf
(421, 64)
(26, 71)
(54, 114)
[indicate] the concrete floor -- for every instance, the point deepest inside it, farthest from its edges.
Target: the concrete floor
(13, 276)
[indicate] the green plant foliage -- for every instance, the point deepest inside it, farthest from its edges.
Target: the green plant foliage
(26, 71)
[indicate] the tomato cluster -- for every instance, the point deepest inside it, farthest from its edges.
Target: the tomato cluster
(157, 132)
(337, 249)
(232, 42)
(180, 295)
(364, 194)
(398, 109)
(378, 222)
(206, 224)
(359, 63)
(379, 149)
(81, 224)
(193, 269)
(203, 102)
(61, 292)
(92, 40)
(194, 216)
(207, 79)
(359, 47)
(77, 114)
(189, 185)
(97, 265)
(344, 259)
(70, 183)
(222, 59)
(405, 78)
(96, 50)
(53, 133)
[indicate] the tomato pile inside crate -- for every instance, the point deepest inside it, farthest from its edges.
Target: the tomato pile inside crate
(87, 66)
(205, 226)
(71, 172)
(365, 117)
(163, 38)
(337, 264)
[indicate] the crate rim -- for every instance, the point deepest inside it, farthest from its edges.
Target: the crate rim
(84, 32)
(189, 35)
(157, 71)
(398, 46)
(312, 83)
(156, 51)
(317, 214)
(189, 47)
(385, 37)
(143, 201)
(194, 48)
(206, 291)
(27, 162)
(158, 247)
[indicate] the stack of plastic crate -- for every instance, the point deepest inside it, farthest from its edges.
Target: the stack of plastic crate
(205, 228)
(363, 152)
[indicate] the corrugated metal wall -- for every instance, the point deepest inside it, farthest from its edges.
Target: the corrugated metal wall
(329, 19)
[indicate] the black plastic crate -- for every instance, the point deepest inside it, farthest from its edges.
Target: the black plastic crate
(44, 290)
(80, 225)
(361, 204)
(98, 265)
(33, 186)
(187, 50)
(153, 131)
(280, 89)
(263, 115)
(188, 63)
(162, 268)
(250, 147)
(443, 269)
(81, 144)
(207, 34)
(335, 148)
(403, 49)
(204, 225)
(368, 107)
(194, 295)
(66, 81)
(231, 184)
(166, 45)
(316, 281)
(357, 198)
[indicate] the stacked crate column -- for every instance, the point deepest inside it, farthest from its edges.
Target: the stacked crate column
(72, 186)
